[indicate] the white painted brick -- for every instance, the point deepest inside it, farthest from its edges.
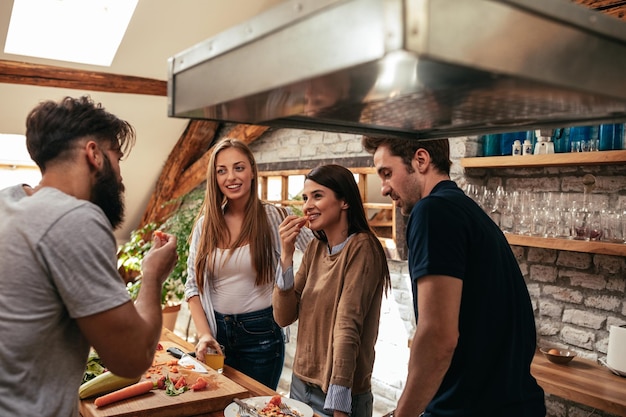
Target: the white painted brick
(543, 273)
(532, 183)
(584, 318)
(518, 251)
(541, 255)
(308, 152)
(563, 294)
(615, 321)
(576, 260)
(286, 153)
(547, 328)
(524, 268)
(581, 279)
(550, 309)
(354, 147)
(610, 264)
(602, 345)
(534, 290)
(603, 302)
(577, 337)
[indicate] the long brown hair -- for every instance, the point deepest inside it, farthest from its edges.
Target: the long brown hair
(255, 229)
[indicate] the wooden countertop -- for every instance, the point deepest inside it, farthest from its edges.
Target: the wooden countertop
(582, 381)
(254, 388)
(240, 383)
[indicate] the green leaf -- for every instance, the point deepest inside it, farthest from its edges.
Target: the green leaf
(170, 389)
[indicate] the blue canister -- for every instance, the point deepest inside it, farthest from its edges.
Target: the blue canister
(507, 140)
(610, 136)
(618, 139)
(560, 137)
(491, 144)
(578, 135)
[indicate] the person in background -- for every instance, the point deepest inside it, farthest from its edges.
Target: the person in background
(235, 243)
(475, 336)
(336, 295)
(60, 290)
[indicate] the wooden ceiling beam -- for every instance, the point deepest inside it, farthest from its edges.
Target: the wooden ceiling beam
(13, 72)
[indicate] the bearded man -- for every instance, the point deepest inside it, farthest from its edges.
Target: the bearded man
(60, 291)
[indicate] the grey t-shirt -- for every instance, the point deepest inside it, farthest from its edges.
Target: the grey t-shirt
(57, 263)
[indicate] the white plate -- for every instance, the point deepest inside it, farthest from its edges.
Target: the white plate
(259, 402)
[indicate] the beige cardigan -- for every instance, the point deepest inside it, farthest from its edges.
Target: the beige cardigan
(337, 300)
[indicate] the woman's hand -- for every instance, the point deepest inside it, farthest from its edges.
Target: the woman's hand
(289, 230)
(204, 343)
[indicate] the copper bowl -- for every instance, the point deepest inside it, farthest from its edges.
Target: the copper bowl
(556, 355)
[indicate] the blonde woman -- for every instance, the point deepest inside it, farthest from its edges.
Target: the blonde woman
(231, 268)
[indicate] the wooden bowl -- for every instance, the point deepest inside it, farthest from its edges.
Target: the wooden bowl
(556, 355)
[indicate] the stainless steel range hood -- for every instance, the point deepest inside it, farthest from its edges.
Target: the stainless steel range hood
(409, 68)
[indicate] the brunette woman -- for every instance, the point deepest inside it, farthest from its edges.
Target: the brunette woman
(233, 253)
(336, 295)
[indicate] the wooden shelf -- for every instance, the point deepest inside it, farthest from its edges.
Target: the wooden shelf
(582, 381)
(599, 247)
(556, 159)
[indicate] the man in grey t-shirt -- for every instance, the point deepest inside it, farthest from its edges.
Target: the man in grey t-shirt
(60, 291)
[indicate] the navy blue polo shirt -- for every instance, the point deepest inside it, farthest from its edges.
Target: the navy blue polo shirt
(449, 234)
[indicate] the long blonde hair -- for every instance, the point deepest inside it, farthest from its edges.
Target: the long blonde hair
(255, 229)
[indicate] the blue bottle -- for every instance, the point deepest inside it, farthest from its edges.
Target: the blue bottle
(507, 140)
(618, 136)
(610, 136)
(491, 144)
(560, 137)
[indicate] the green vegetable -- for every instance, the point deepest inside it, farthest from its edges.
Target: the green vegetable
(94, 367)
(170, 389)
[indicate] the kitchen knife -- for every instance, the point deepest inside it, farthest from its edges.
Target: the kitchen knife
(186, 360)
(177, 353)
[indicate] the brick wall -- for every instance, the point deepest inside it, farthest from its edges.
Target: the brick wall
(576, 296)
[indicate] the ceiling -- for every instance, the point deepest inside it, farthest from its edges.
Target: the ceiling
(158, 30)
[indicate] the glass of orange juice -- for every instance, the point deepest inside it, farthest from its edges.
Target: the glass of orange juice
(214, 359)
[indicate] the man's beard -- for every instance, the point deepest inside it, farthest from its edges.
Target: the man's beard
(108, 194)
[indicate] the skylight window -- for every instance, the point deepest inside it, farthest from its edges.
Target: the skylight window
(82, 31)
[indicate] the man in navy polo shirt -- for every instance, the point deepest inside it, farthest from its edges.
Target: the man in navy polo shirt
(475, 336)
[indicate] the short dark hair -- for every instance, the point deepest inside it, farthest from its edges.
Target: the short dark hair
(438, 149)
(52, 128)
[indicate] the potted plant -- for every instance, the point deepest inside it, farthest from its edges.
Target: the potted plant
(131, 253)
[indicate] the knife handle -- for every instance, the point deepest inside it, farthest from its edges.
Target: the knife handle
(175, 352)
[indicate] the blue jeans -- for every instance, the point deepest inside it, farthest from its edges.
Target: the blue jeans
(253, 343)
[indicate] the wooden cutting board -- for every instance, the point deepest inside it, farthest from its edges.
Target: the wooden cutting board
(157, 403)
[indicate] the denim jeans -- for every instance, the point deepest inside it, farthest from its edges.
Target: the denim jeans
(253, 343)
